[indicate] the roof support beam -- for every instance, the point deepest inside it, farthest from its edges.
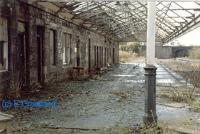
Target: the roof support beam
(194, 22)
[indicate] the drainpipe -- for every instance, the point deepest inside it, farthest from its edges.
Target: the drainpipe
(150, 116)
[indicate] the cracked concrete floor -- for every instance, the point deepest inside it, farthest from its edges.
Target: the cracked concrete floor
(94, 106)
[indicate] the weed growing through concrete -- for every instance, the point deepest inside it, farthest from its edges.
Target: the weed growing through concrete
(189, 69)
(150, 129)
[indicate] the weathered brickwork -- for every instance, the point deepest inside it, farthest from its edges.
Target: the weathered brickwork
(37, 52)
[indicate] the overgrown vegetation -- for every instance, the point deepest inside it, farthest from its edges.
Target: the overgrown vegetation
(129, 51)
(178, 94)
(127, 56)
(158, 129)
(150, 129)
(194, 53)
(131, 47)
(190, 71)
(195, 106)
(182, 94)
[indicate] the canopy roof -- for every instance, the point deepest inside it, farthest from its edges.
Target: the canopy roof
(124, 19)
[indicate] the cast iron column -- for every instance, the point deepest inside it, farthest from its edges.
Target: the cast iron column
(150, 116)
(150, 95)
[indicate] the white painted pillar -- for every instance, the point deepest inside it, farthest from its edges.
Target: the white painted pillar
(150, 116)
(151, 33)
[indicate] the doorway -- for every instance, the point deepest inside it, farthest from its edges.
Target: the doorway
(40, 41)
(89, 50)
(105, 57)
(97, 56)
(22, 58)
(78, 52)
(113, 56)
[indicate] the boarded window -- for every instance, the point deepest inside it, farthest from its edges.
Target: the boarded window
(66, 41)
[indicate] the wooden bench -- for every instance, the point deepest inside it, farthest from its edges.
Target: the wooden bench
(77, 72)
(100, 70)
(5, 123)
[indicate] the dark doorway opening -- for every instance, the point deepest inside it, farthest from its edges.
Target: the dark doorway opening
(40, 42)
(89, 55)
(113, 56)
(105, 57)
(22, 59)
(78, 52)
(97, 57)
(101, 56)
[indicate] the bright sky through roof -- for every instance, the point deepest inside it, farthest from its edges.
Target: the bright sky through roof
(191, 38)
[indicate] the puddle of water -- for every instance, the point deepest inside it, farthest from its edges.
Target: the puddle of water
(165, 81)
(120, 75)
(134, 81)
(166, 113)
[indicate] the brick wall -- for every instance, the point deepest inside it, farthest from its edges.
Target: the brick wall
(38, 57)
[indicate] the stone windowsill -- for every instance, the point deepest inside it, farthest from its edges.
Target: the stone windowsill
(66, 65)
(3, 71)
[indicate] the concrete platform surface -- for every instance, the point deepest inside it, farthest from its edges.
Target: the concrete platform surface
(115, 99)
